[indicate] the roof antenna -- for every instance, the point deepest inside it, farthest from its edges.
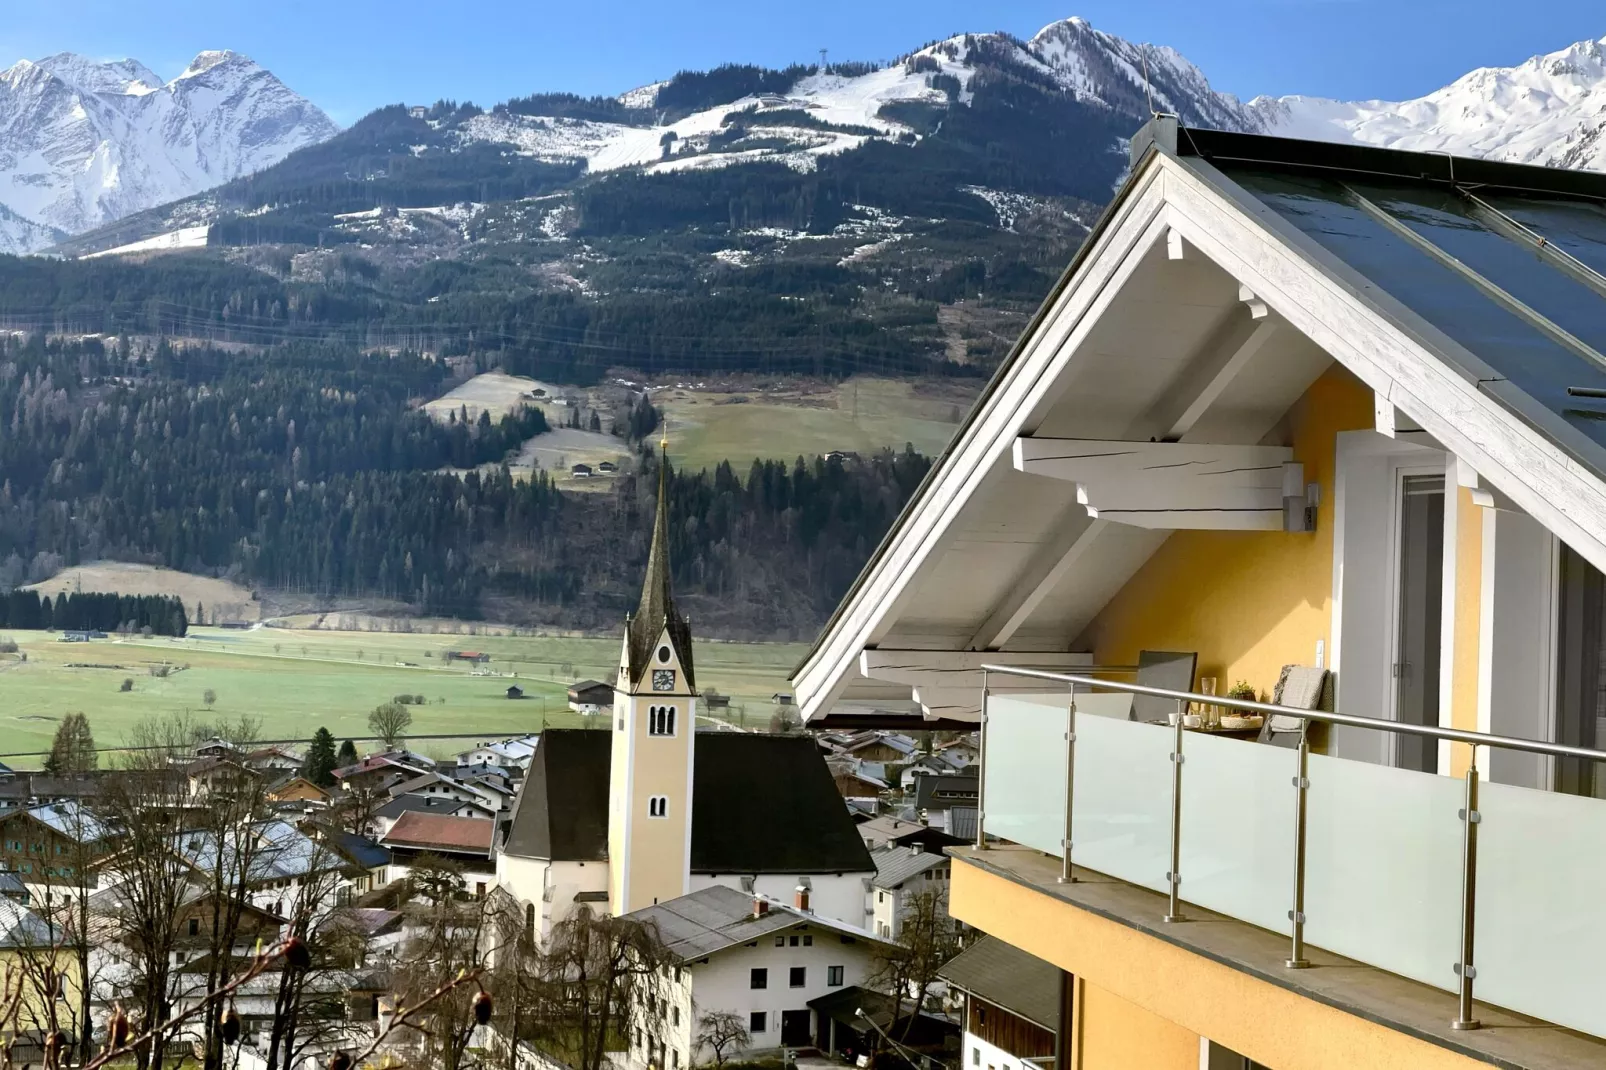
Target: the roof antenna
(1148, 96)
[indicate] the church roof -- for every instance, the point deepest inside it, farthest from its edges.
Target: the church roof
(656, 610)
(561, 811)
(761, 804)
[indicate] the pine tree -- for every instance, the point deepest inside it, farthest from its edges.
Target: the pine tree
(320, 764)
(347, 755)
(73, 750)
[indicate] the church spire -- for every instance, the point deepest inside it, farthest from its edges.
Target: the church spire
(656, 610)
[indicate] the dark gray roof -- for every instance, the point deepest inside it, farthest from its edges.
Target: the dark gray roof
(410, 804)
(939, 791)
(1003, 974)
(712, 919)
(894, 865)
(767, 804)
(561, 811)
(761, 804)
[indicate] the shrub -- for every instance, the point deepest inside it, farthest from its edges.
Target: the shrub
(127, 684)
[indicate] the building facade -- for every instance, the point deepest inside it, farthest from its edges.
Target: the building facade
(1325, 421)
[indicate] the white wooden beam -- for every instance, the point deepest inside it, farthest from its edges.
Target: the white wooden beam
(948, 683)
(1391, 422)
(963, 668)
(1230, 349)
(1257, 307)
(1067, 544)
(1166, 485)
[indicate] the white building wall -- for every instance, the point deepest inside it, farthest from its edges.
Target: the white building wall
(724, 983)
(840, 897)
(550, 886)
(980, 1055)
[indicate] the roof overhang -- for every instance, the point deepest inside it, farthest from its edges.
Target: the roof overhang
(1190, 321)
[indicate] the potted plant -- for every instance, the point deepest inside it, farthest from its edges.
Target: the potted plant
(1240, 719)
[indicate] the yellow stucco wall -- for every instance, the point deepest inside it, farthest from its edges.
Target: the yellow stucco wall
(1468, 613)
(649, 864)
(1249, 602)
(1114, 1034)
(1195, 995)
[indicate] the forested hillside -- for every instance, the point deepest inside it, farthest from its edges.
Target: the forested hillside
(307, 468)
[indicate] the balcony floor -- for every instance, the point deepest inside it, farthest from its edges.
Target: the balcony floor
(1506, 1040)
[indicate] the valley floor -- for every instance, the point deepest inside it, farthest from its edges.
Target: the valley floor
(297, 680)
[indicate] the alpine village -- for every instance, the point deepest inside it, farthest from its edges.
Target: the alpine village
(1220, 685)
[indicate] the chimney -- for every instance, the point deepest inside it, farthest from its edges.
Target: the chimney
(916, 849)
(802, 900)
(760, 906)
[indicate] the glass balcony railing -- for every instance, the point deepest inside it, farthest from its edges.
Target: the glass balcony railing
(1442, 880)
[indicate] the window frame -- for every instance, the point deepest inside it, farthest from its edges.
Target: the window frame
(758, 978)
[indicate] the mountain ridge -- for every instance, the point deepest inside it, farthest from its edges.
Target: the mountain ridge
(85, 142)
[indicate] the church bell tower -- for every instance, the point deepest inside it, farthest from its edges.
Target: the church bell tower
(654, 739)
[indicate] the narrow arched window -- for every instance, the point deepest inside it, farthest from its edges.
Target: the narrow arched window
(657, 806)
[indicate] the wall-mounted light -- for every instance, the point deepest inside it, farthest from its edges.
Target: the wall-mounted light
(1300, 499)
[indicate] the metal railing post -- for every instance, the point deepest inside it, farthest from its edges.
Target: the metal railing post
(981, 768)
(1066, 877)
(1464, 969)
(1296, 956)
(1174, 877)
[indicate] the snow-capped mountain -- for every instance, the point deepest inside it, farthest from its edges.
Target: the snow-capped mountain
(833, 111)
(1549, 110)
(83, 142)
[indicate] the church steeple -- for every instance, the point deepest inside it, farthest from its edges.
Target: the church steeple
(655, 739)
(656, 611)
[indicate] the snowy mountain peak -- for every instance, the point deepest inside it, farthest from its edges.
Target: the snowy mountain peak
(84, 141)
(1549, 110)
(101, 76)
(205, 61)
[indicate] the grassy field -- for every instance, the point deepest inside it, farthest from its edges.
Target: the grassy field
(861, 415)
(298, 680)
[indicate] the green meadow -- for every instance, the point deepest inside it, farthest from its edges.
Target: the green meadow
(298, 680)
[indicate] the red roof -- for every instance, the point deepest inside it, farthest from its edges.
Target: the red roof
(435, 832)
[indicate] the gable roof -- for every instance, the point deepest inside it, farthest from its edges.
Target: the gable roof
(437, 832)
(1468, 295)
(753, 797)
(895, 864)
(938, 791)
(438, 804)
(1003, 974)
(712, 919)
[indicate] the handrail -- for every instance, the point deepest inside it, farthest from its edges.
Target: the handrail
(1454, 735)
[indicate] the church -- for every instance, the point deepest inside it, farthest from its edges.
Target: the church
(650, 809)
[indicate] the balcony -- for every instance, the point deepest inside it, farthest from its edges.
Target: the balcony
(1406, 891)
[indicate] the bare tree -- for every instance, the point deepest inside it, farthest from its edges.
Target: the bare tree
(390, 723)
(928, 938)
(453, 935)
(600, 978)
(721, 1032)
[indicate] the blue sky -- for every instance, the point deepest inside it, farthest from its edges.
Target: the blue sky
(352, 55)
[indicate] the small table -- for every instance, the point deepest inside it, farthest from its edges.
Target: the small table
(1233, 733)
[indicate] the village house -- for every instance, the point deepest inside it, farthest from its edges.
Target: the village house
(590, 696)
(463, 841)
(889, 831)
(49, 847)
(1324, 421)
(901, 873)
(385, 817)
(754, 956)
(1013, 1005)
